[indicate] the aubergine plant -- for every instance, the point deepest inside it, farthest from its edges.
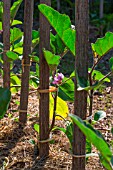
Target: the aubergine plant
(13, 12)
(62, 25)
(5, 94)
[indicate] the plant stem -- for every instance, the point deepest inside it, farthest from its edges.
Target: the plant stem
(91, 104)
(95, 64)
(54, 111)
(64, 52)
(91, 94)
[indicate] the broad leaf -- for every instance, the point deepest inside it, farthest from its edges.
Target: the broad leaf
(16, 34)
(14, 9)
(62, 108)
(34, 80)
(16, 22)
(36, 127)
(84, 84)
(5, 96)
(99, 115)
(15, 83)
(103, 45)
(111, 63)
(106, 164)
(95, 138)
(34, 58)
(62, 25)
(66, 90)
(12, 56)
(52, 59)
(35, 34)
(97, 75)
(18, 50)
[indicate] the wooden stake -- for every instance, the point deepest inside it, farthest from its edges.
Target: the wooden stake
(81, 66)
(28, 21)
(6, 42)
(44, 83)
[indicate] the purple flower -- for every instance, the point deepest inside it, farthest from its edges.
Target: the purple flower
(58, 78)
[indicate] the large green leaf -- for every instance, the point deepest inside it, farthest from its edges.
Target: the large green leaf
(52, 59)
(103, 45)
(66, 90)
(57, 43)
(16, 34)
(5, 96)
(95, 138)
(14, 9)
(62, 108)
(62, 25)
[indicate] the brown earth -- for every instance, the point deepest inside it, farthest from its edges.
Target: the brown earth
(17, 153)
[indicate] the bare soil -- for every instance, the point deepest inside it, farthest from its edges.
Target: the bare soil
(18, 153)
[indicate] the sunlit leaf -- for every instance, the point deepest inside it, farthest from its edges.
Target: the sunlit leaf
(95, 137)
(15, 83)
(16, 34)
(12, 56)
(14, 9)
(62, 25)
(62, 108)
(97, 75)
(36, 127)
(0, 26)
(16, 22)
(52, 59)
(5, 96)
(103, 45)
(18, 50)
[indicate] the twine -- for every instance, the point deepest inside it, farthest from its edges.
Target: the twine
(51, 89)
(24, 111)
(78, 156)
(25, 65)
(45, 141)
